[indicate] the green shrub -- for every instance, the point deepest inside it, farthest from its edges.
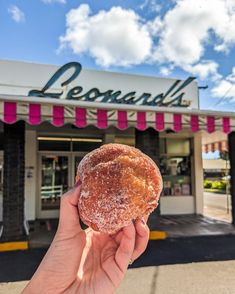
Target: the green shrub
(207, 184)
(219, 185)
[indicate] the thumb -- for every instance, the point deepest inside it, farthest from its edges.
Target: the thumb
(69, 215)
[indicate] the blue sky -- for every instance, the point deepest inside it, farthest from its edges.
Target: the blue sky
(174, 38)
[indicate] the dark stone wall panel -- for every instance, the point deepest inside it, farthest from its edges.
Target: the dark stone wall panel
(13, 182)
(231, 141)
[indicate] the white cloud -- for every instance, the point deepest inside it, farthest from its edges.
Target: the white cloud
(151, 5)
(156, 7)
(54, 1)
(155, 27)
(204, 69)
(179, 38)
(114, 37)
(144, 4)
(188, 28)
(16, 14)
(165, 71)
(185, 31)
(231, 77)
(225, 88)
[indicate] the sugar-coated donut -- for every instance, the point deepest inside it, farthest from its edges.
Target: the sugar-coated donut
(118, 184)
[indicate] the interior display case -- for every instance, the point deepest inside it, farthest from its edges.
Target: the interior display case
(175, 166)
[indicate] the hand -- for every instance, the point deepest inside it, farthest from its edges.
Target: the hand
(86, 261)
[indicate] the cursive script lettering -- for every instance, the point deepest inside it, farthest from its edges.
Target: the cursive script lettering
(43, 93)
(172, 96)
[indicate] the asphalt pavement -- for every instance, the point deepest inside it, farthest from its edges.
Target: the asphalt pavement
(20, 265)
(216, 277)
(183, 264)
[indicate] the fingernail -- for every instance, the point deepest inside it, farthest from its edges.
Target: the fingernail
(143, 221)
(77, 184)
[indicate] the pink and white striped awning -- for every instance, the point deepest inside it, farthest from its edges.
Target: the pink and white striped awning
(102, 115)
(216, 146)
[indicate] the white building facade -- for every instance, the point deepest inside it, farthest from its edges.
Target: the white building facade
(70, 111)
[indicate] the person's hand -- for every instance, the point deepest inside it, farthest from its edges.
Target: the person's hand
(86, 262)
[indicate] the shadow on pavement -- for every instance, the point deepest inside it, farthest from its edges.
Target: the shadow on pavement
(20, 265)
(187, 250)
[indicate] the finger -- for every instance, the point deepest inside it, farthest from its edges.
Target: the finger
(117, 236)
(126, 247)
(141, 239)
(145, 217)
(69, 215)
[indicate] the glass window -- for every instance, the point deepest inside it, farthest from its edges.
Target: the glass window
(77, 160)
(54, 145)
(175, 167)
(86, 146)
(54, 180)
(68, 144)
(174, 146)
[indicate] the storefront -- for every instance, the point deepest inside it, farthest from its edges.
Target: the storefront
(216, 163)
(66, 113)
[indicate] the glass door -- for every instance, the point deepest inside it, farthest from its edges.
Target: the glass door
(54, 182)
(57, 173)
(77, 157)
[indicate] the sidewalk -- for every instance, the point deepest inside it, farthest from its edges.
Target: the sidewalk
(194, 278)
(218, 206)
(216, 221)
(176, 226)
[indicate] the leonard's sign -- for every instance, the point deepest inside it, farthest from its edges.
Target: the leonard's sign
(110, 87)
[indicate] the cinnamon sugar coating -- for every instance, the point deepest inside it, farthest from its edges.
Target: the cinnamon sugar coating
(119, 184)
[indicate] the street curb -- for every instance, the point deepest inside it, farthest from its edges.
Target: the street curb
(157, 235)
(11, 246)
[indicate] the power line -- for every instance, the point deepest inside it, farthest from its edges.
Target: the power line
(224, 96)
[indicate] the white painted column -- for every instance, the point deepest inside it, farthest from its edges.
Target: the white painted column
(198, 173)
(30, 174)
